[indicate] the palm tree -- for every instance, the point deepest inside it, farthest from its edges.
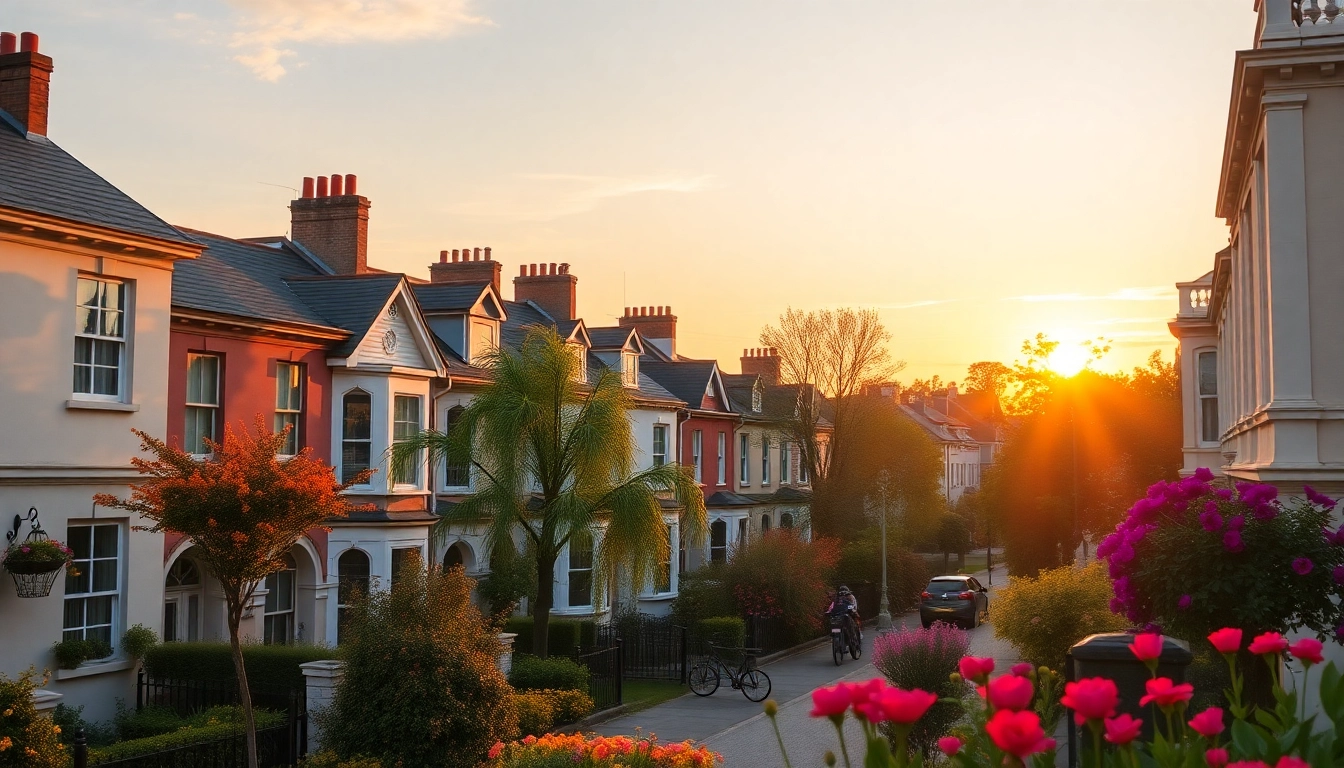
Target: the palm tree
(555, 456)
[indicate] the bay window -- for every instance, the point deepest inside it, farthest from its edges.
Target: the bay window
(356, 435)
(405, 426)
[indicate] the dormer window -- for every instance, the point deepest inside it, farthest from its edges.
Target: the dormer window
(630, 369)
(483, 339)
(580, 361)
(756, 400)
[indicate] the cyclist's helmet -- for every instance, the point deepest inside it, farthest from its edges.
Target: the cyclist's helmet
(845, 591)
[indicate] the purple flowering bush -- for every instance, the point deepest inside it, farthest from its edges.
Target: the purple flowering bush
(1193, 556)
(925, 659)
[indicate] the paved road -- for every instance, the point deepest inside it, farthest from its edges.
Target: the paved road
(735, 727)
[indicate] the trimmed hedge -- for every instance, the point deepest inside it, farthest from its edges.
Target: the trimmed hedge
(530, 673)
(328, 759)
(541, 711)
(729, 631)
(210, 727)
(269, 667)
(565, 636)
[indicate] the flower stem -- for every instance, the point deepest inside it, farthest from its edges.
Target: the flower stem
(1096, 742)
(840, 731)
(775, 724)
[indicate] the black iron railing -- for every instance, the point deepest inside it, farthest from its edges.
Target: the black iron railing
(277, 747)
(653, 647)
(187, 697)
(605, 674)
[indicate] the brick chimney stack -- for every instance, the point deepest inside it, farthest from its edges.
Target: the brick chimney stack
(332, 221)
(657, 325)
(25, 81)
(549, 286)
(465, 267)
(762, 361)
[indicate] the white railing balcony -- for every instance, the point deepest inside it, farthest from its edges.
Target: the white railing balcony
(1194, 300)
(1294, 23)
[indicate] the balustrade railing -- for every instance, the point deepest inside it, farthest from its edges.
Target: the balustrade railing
(1288, 23)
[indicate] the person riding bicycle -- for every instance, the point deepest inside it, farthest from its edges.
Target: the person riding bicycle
(851, 604)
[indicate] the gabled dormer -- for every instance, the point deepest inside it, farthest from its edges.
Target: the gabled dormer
(465, 317)
(619, 349)
(578, 342)
(387, 330)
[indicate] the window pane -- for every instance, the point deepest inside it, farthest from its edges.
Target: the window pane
(104, 575)
(105, 541)
(354, 459)
(1208, 373)
(98, 610)
(80, 539)
(169, 622)
(580, 588)
(291, 420)
(210, 380)
(113, 295)
(104, 381)
(86, 320)
(107, 353)
(1209, 419)
(112, 324)
(718, 534)
(86, 294)
(357, 413)
(286, 581)
(74, 614)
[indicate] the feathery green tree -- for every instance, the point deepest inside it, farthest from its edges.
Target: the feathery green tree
(554, 455)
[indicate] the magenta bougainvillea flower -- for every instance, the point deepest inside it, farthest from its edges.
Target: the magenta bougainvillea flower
(1302, 566)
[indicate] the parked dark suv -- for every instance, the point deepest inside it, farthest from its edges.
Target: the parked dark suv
(954, 599)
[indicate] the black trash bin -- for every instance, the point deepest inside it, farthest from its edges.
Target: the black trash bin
(1108, 655)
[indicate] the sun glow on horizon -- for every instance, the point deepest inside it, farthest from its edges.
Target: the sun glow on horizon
(1069, 358)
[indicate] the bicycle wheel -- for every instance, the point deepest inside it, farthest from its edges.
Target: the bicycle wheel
(856, 649)
(755, 685)
(704, 679)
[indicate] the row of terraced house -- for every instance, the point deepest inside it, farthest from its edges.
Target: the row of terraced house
(112, 319)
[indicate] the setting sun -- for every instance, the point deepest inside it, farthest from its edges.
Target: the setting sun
(1069, 358)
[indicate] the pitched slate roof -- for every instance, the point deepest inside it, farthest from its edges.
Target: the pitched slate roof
(728, 499)
(38, 176)
(522, 315)
(244, 279)
(351, 302)
(437, 297)
(610, 338)
(687, 380)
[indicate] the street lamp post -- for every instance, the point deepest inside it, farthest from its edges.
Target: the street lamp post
(884, 607)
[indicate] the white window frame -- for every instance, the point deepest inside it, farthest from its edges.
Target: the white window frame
(723, 548)
(344, 439)
(275, 588)
(346, 583)
(697, 454)
(765, 461)
(785, 471)
(403, 482)
(289, 381)
(659, 459)
(1201, 398)
(201, 406)
(86, 567)
(630, 369)
(124, 288)
(665, 567)
(570, 570)
(449, 422)
(396, 560)
(744, 460)
(723, 458)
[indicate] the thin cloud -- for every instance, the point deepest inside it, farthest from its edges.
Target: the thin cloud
(1150, 293)
(268, 30)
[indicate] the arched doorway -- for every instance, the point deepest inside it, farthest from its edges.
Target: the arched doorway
(459, 554)
(352, 574)
(182, 598)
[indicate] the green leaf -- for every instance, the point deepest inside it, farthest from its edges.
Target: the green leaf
(1247, 740)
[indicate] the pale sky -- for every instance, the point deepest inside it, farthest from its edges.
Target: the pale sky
(979, 172)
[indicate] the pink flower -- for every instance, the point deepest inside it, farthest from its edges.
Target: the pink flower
(1018, 733)
(495, 750)
(1302, 566)
(1094, 698)
(949, 745)
(1317, 498)
(1216, 758)
(1269, 642)
(1292, 762)
(1247, 764)
(1166, 694)
(1147, 646)
(1021, 670)
(25, 549)
(898, 706)
(1122, 729)
(1226, 640)
(1010, 692)
(831, 702)
(1232, 541)
(975, 669)
(1307, 650)
(1237, 522)
(1208, 723)
(1184, 603)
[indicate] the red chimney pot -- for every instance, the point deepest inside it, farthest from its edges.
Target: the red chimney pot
(9, 42)
(28, 42)
(531, 270)
(337, 185)
(443, 257)
(487, 254)
(522, 270)
(307, 186)
(349, 183)
(321, 186)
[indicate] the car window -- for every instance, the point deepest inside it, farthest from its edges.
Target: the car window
(946, 585)
(974, 584)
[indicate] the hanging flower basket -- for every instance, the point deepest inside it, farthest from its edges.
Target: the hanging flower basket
(36, 563)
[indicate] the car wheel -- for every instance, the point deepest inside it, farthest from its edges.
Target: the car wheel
(926, 623)
(975, 618)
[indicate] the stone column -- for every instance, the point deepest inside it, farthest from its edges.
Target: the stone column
(505, 661)
(322, 678)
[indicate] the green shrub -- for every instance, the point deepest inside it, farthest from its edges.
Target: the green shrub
(420, 686)
(565, 637)
(71, 653)
(71, 720)
(728, 631)
(328, 759)
(780, 575)
(530, 673)
(536, 712)
(907, 572)
(569, 706)
(24, 729)
(137, 641)
(702, 594)
(269, 667)
(1044, 616)
(150, 721)
(212, 724)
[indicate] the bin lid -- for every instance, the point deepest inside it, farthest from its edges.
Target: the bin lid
(1114, 646)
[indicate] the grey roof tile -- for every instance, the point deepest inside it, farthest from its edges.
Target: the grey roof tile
(436, 297)
(350, 302)
(686, 380)
(37, 175)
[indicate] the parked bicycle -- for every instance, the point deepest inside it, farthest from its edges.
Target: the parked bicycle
(707, 674)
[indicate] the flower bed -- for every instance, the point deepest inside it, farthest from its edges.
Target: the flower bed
(578, 751)
(1005, 728)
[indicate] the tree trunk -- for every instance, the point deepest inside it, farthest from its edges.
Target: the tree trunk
(244, 690)
(541, 607)
(944, 571)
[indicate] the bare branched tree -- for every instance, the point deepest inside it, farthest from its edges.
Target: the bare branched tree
(831, 355)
